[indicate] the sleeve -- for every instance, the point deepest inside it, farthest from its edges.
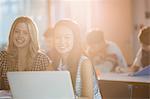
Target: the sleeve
(46, 62)
(1, 64)
(137, 60)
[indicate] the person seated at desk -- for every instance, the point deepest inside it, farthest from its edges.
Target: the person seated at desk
(143, 56)
(22, 53)
(105, 55)
(48, 37)
(70, 58)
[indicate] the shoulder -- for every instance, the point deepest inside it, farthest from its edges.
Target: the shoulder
(114, 48)
(84, 59)
(85, 62)
(42, 56)
(41, 61)
(112, 45)
(3, 57)
(3, 54)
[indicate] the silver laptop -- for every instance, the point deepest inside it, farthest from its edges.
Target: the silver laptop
(41, 85)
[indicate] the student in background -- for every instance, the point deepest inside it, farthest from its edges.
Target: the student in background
(70, 58)
(22, 53)
(143, 56)
(105, 55)
(48, 36)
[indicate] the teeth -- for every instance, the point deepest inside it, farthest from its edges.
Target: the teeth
(20, 40)
(62, 47)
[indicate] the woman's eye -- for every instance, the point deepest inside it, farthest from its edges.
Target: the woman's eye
(67, 37)
(17, 31)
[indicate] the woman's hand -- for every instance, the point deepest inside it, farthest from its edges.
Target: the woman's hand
(120, 69)
(133, 68)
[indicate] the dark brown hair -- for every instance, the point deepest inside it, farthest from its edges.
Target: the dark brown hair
(76, 51)
(144, 36)
(95, 36)
(49, 32)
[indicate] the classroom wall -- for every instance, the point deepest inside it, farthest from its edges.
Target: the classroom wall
(140, 7)
(115, 18)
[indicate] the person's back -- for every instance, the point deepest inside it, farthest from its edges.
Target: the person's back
(48, 37)
(105, 55)
(113, 48)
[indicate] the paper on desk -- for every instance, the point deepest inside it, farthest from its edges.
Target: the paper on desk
(144, 71)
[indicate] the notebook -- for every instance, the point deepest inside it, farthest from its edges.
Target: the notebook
(144, 71)
(41, 85)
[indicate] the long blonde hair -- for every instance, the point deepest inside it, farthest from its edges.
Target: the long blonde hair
(33, 46)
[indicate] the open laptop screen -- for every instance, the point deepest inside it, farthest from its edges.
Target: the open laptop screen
(41, 85)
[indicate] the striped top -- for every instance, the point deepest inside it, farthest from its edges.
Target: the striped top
(78, 84)
(40, 63)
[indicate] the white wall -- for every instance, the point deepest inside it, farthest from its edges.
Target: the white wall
(140, 7)
(114, 17)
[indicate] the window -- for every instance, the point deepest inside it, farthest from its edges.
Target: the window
(10, 9)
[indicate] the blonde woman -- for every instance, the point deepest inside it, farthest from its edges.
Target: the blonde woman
(70, 58)
(22, 53)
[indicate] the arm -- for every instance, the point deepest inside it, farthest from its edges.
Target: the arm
(1, 63)
(0, 77)
(87, 80)
(137, 62)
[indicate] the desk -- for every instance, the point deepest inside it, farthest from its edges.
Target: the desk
(124, 78)
(115, 86)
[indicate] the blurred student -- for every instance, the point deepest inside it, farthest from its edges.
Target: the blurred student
(22, 53)
(70, 58)
(143, 56)
(105, 55)
(48, 36)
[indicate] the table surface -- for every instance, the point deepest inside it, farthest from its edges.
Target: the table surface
(124, 77)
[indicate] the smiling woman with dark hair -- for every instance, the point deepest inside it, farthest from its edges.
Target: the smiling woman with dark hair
(70, 58)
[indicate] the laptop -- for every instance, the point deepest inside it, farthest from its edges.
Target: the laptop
(41, 85)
